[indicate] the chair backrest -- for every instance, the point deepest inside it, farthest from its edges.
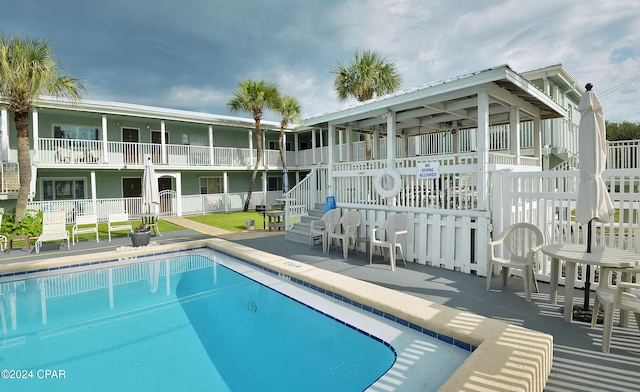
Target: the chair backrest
(350, 222)
(331, 217)
(86, 219)
(54, 222)
(395, 223)
(118, 217)
(64, 152)
(519, 238)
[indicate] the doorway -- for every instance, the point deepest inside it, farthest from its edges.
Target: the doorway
(130, 150)
(156, 145)
(166, 198)
(131, 187)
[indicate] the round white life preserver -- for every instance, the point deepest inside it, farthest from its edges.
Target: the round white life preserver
(387, 174)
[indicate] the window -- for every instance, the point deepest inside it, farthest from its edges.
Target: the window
(62, 189)
(209, 185)
(274, 183)
(76, 132)
(273, 145)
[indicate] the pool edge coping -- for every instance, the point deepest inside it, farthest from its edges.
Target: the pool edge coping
(506, 358)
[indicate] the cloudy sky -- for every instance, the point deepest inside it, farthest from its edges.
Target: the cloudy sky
(190, 54)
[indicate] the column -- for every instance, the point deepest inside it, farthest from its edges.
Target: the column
(330, 142)
(391, 138)
(163, 144)
(483, 147)
(94, 201)
(4, 135)
(105, 149)
(36, 135)
(514, 133)
(211, 144)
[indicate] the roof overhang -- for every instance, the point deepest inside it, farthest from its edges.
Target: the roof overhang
(148, 112)
(430, 107)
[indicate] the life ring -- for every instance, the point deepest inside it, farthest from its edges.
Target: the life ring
(387, 174)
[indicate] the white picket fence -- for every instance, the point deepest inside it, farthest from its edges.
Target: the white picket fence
(548, 200)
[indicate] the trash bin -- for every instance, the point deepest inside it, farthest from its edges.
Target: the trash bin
(250, 223)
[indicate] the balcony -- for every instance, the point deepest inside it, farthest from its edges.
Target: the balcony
(54, 152)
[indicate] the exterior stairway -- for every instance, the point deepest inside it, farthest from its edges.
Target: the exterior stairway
(300, 230)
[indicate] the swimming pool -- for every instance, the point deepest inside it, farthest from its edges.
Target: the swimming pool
(211, 315)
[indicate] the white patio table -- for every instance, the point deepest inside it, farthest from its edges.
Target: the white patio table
(572, 254)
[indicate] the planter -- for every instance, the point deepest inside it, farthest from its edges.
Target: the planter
(140, 239)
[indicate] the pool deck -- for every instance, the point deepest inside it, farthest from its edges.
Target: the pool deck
(578, 363)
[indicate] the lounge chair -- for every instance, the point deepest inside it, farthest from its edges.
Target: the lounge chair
(522, 241)
(396, 229)
(85, 223)
(118, 221)
(53, 228)
(321, 227)
(345, 232)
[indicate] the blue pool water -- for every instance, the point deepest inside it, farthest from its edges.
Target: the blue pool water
(188, 322)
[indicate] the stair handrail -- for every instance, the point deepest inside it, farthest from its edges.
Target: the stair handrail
(299, 199)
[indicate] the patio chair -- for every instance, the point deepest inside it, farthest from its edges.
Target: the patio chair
(624, 297)
(118, 221)
(53, 228)
(345, 232)
(95, 156)
(64, 154)
(522, 241)
(395, 229)
(85, 223)
(321, 227)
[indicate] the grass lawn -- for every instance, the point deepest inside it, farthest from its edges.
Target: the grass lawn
(163, 226)
(231, 221)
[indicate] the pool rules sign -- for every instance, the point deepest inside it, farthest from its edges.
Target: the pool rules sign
(428, 170)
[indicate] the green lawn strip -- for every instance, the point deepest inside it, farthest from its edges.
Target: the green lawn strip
(103, 233)
(231, 221)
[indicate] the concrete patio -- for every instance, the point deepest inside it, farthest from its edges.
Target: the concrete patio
(579, 364)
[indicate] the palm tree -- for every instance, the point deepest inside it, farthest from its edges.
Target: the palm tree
(253, 96)
(29, 68)
(367, 74)
(289, 110)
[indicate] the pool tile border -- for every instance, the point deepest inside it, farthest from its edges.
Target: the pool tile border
(444, 338)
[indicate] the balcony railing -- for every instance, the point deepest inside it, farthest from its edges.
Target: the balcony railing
(72, 152)
(9, 179)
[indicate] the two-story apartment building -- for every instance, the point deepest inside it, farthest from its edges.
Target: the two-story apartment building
(89, 156)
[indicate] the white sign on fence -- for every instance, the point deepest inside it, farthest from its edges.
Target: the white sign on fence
(426, 170)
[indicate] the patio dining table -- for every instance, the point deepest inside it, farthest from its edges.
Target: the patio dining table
(605, 258)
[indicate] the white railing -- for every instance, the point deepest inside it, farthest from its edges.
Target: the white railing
(305, 194)
(9, 178)
(623, 154)
(548, 200)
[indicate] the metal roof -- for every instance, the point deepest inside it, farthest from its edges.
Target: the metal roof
(151, 112)
(448, 103)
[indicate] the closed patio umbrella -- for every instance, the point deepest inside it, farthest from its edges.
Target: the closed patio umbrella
(150, 193)
(593, 202)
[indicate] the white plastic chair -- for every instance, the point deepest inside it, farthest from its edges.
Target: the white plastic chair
(522, 241)
(85, 223)
(623, 298)
(118, 221)
(53, 228)
(345, 232)
(396, 229)
(320, 227)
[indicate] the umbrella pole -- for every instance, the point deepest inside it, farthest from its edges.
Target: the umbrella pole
(587, 276)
